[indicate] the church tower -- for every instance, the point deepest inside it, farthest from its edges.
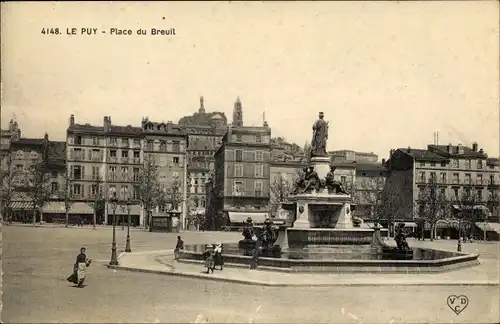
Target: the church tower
(237, 113)
(202, 108)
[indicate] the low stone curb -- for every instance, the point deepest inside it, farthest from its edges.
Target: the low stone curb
(270, 284)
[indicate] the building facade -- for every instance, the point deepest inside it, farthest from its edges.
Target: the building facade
(454, 169)
(349, 155)
(205, 131)
(6, 137)
(242, 172)
(24, 154)
(106, 161)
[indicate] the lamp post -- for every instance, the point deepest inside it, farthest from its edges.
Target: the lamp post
(459, 244)
(114, 260)
(127, 246)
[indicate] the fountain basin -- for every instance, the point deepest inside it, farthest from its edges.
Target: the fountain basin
(340, 259)
(351, 236)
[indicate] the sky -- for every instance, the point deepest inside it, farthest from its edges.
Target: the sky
(385, 74)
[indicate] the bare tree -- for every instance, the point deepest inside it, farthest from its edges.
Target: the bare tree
(433, 207)
(96, 200)
(396, 199)
(172, 194)
(7, 190)
(66, 194)
(468, 211)
(367, 195)
(146, 185)
(37, 186)
(279, 190)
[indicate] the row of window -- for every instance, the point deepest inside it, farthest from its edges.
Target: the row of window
(455, 163)
(80, 140)
(455, 178)
(259, 139)
(456, 193)
(239, 189)
(77, 172)
(257, 156)
(258, 170)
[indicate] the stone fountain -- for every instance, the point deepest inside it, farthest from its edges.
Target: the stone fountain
(324, 237)
(322, 206)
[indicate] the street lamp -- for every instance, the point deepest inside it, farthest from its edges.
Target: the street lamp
(127, 246)
(459, 244)
(114, 204)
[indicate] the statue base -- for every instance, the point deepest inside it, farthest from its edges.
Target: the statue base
(321, 165)
(329, 236)
(322, 210)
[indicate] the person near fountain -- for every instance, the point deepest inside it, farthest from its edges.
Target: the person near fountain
(320, 135)
(218, 257)
(400, 238)
(332, 184)
(208, 255)
(178, 247)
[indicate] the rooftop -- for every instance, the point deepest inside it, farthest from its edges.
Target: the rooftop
(423, 155)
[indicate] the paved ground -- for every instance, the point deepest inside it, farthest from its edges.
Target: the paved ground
(36, 262)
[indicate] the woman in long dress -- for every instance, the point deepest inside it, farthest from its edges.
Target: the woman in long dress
(78, 276)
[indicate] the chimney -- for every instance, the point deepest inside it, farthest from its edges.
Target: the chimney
(391, 152)
(460, 148)
(474, 146)
(409, 149)
(107, 123)
(450, 148)
(71, 120)
(46, 137)
(383, 161)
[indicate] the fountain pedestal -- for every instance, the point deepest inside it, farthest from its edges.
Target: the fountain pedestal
(325, 217)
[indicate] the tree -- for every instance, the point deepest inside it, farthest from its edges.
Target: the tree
(468, 212)
(146, 185)
(66, 194)
(96, 200)
(396, 199)
(171, 194)
(433, 207)
(7, 190)
(367, 195)
(279, 190)
(37, 186)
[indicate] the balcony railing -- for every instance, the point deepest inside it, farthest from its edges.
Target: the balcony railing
(86, 177)
(118, 178)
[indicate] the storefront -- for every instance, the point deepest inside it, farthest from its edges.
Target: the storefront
(22, 211)
(121, 214)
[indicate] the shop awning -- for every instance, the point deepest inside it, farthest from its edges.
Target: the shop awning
(54, 207)
(442, 224)
(489, 227)
(122, 210)
(241, 217)
(81, 208)
(372, 225)
(409, 224)
(475, 207)
(21, 205)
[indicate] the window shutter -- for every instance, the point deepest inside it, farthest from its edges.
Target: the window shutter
(90, 191)
(71, 153)
(83, 172)
(72, 172)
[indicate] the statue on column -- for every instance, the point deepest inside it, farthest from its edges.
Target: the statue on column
(320, 135)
